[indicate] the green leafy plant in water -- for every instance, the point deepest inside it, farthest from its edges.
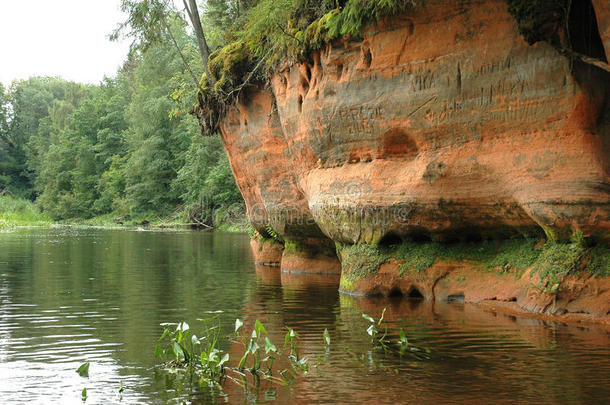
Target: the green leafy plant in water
(83, 370)
(373, 328)
(83, 394)
(254, 346)
(326, 336)
(199, 356)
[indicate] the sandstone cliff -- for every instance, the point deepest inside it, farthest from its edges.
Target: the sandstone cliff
(439, 132)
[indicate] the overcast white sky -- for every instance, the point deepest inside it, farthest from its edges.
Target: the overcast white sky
(67, 38)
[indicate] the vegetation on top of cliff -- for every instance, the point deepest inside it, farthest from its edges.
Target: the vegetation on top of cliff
(276, 31)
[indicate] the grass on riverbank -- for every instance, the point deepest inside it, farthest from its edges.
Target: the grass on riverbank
(20, 212)
(17, 212)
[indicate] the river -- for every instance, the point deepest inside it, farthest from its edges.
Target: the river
(69, 296)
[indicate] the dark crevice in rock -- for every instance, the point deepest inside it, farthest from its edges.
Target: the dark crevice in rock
(414, 293)
(583, 30)
(390, 239)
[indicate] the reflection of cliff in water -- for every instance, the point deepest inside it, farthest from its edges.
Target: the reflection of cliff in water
(470, 349)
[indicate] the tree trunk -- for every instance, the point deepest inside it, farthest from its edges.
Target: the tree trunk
(204, 51)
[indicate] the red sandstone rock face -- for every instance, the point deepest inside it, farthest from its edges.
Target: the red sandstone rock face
(581, 294)
(443, 123)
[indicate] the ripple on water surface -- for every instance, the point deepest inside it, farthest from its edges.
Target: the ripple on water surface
(69, 296)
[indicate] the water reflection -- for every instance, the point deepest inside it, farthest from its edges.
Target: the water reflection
(68, 296)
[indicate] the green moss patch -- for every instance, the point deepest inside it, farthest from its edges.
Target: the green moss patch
(599, 261)
(360, 260)
(551, 262)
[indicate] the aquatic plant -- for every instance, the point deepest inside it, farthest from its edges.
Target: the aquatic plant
(373, 328)
(199, 356)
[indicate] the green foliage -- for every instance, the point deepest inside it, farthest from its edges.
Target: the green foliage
(20, 212)
(514, 255)
(360, 260)
(230, 66)
(199, 356)
(556, 261)
(551, 262)
(124, 149)
(373, 328)
(599, 261)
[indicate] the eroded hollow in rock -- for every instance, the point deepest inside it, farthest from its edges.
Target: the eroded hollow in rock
(390, 239)
(414, 293)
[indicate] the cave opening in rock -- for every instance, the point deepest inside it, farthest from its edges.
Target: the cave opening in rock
(395, 292)
(390, 239)
(414, 293)
(583, 30)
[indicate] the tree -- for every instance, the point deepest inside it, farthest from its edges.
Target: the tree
(148, 23)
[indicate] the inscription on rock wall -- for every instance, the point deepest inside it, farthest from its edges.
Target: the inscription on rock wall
(355, 123)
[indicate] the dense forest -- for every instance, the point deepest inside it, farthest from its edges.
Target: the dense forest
(126, 149)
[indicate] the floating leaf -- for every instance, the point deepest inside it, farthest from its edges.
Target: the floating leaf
(83, 370)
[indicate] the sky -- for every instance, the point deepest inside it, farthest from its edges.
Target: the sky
(67, 38)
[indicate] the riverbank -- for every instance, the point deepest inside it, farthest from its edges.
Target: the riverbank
(18, 212)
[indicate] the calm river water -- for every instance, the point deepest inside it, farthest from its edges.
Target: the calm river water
(68, 296)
